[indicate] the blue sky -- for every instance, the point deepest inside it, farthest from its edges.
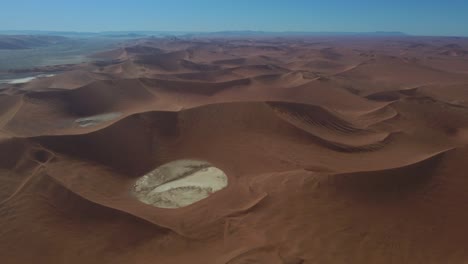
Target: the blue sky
(429, 17)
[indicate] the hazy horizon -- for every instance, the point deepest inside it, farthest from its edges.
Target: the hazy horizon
(428, 18)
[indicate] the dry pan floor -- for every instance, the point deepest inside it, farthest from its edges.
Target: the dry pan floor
(179, 183)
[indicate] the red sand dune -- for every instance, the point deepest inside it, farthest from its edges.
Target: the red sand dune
(337, 150)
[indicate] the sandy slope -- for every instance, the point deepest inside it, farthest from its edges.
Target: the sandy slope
(345, 150)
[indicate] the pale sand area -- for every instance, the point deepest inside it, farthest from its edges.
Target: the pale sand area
(179, 183)
(25, 79)
(97, 119)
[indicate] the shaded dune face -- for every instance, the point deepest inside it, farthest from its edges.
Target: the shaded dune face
(289, 151)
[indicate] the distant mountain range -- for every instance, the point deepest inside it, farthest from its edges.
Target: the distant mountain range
(289, 33)
(136, 34)
(27, 39)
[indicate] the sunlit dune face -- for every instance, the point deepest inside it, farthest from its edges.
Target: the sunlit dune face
(179, 183)
(97, 119)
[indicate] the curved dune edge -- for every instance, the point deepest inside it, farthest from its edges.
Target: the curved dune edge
(94, 122)
(52, 103)
(188, 128)
(117, 195)
(331, 128)
(287, 180)
(242, 119)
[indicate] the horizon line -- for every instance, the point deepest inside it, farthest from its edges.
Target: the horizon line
(395, 33)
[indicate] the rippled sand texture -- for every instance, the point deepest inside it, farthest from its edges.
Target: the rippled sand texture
(330, 150)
